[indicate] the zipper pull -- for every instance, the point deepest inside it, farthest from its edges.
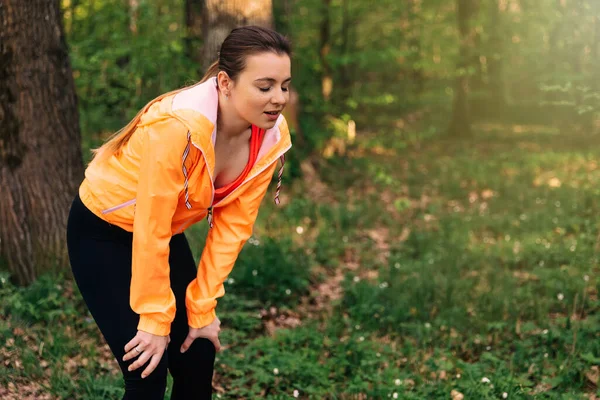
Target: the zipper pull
(209, 217)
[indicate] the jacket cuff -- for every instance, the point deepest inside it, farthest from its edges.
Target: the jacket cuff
(201, 320)
(147, 324)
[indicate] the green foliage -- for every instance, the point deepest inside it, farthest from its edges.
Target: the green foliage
(272, 271)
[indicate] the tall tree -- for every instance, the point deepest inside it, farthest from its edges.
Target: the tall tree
(219, 17)
(193, 37)
(496, 58)
(326, 78)
(460, 124)
(40, 149)
(133, 7)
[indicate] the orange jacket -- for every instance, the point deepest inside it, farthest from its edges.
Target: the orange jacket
(164, 176)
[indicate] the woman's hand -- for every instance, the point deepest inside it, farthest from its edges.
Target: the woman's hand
(210, 332)
(147, 346)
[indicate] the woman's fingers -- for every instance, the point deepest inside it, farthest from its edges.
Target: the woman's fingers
(155, 360)
(217, 343)
(187, 343)
(132, 343)
(133, 350)
(190, 339)
(141, 360)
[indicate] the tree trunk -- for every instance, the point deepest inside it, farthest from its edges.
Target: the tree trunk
(219, 17)
(461, 116)
(40, 144)
(134, 6)
(193, 37)
(495, 60)
(326, 78)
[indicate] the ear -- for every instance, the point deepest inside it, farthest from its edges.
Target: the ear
(225, 83)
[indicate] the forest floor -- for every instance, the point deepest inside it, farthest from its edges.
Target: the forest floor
(438, 269)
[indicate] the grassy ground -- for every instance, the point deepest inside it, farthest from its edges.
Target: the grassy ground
(434, 270)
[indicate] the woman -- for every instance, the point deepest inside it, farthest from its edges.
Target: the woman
(208, 150)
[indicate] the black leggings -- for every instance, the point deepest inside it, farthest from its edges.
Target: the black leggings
(100, 255)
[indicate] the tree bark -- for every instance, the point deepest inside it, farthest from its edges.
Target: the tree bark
(326, 78)
(40, 145)
(219, 17)
(495, 60)
(193, 37)
(461, 116)
(134, 6)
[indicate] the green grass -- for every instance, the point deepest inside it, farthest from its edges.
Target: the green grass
(465, 265)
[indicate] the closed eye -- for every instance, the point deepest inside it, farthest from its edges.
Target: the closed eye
(267, 89)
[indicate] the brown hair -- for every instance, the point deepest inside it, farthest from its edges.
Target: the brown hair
(237, 46)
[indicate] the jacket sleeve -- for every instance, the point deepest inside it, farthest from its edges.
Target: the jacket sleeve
(160, 182)
(232, 227)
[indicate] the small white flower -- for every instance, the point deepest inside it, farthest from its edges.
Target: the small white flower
(545, 355)
(427, 325)
(488, 348)
(299, 230)
(288, 291)
(231, 281)
(378, 354)
(296, 393)
(254, 272)
(356, 279)
(357, 327)
(560, 297)
(457, 376)
(398, 382)
(395, 395)
(586, 278)
(383, 285)
(361, 339)
(545, 331)
(397, 265)
(504, 395)
(275, 371)
(485, 380)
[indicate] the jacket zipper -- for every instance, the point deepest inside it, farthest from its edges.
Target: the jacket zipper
(209, 216)
(212, 186)
(118, 207)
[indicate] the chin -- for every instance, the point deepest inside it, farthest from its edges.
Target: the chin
(266, 125)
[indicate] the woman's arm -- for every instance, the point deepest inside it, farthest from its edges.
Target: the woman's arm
(160, 183)
(232, 228)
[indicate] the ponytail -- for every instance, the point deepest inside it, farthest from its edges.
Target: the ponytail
(212, 70)
(117, 140)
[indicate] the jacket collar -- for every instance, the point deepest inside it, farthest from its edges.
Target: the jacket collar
(201, 120)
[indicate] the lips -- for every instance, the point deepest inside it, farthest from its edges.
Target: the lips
(272, 115)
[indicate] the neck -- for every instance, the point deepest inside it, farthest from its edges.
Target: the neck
(229, 124)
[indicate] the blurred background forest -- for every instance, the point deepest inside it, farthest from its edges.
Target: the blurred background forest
(437, 236)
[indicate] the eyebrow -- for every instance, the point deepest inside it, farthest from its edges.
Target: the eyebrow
(271, 80)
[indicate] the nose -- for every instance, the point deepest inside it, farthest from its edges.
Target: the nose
(279, 97)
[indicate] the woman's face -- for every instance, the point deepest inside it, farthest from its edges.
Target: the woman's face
(262, 89)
